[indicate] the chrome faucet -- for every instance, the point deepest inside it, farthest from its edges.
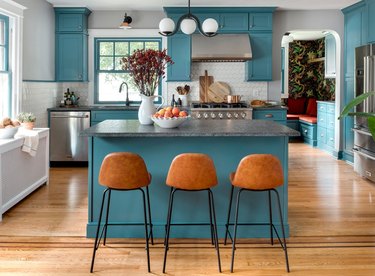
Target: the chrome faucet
(127, 92)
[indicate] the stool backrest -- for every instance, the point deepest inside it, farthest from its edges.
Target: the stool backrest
(192, 171)
(124, 170)
(259, 172)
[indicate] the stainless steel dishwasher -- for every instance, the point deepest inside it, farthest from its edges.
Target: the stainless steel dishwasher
(65, 142)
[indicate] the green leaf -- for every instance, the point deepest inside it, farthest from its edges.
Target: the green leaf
(371, 126)
(361, 114)
(355, 102)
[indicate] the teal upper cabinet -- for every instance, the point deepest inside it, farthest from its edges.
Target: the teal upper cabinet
(282, 70)
(260, 21)
(259, 68)
(71, 44)
(330, 54)
(371, 21)
(233, 22)
(179, 49)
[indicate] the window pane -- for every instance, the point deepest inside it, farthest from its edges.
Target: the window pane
(5, 99)
(2, 32)
(118, 65)
(106, 63)
(135, 46)
(121, 48)
(152, 45)
(109, 84)
(106, 48)
(2, 59)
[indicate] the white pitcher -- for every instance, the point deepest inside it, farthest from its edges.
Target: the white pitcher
(147, 108)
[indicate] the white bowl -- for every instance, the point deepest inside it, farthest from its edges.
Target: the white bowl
(169, 122)
(8, 133)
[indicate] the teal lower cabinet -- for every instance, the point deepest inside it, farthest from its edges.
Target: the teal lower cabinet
(326, 126)
(308, 133)
(102, 115)
(270, 114)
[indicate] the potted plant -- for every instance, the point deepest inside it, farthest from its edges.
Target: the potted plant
(369, 115)
(27, 119)
(147, 68)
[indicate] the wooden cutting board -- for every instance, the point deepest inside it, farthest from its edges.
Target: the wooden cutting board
(204, 83)
(217, 91)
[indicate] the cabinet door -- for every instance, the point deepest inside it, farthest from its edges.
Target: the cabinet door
(260, 21)
(348, 121)
(66, 22)
(259, 68)
(70, 57)
(179, 49)
(234, 22)
(330, 54)
(99, 116)
(371, 22)
(282, 70)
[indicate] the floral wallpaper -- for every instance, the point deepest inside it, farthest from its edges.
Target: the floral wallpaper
(306, 71)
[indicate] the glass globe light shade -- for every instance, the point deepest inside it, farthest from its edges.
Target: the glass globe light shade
(166, 26)
(188, 26)
(210, 26)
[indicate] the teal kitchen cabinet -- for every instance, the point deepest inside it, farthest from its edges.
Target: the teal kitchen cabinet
(179, 49)
(326, 126)
(355, 29)
(370, 7)
(260, 21)
(98, 116)
(233, 22)
(282, 70)
(259, 68)
(270, 114)
(71, 44)
(330, 56)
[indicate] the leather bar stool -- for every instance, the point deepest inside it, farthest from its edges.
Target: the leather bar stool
(192, 172)
(123, 171)
(260, 173)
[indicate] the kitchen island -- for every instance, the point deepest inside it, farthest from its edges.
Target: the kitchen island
(226, 141)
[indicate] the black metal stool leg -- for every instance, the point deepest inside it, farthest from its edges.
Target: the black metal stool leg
(149, 215)
(282, 229)
(106, 216)
(228, 218)
(211, 226)
(166, 242)
(96, 244)
(212, 205)
(270, 210)
(235, 230)
(169, 203)
(146, 230)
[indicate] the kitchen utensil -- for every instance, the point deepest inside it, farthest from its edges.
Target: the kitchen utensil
(232, 99)
(204, 83)
(217, 91)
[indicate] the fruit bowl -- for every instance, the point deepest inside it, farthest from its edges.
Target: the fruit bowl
(8, 133)
(169, 122)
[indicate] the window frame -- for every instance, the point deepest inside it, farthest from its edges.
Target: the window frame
(7, 95)
(97, 41)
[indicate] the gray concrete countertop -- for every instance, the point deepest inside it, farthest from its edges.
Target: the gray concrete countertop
(190, 128)
(96, 108)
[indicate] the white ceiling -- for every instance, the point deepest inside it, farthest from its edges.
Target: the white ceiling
(158, 4)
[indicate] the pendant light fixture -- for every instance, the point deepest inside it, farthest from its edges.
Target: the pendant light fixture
(126, 23)
(188, 24)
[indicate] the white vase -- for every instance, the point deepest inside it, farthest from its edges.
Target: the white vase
(147, 108)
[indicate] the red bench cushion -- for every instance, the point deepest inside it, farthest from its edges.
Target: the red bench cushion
(309, 119)
(293, 116)
(312, 108)
(296, 106)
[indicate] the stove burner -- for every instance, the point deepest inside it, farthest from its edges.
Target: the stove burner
(220, 105)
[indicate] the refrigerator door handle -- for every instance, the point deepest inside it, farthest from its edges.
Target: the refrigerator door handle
(368, 81)
(363, 154)
(362, 131)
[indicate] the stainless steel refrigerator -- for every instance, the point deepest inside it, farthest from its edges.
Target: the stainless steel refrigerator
(364, 145)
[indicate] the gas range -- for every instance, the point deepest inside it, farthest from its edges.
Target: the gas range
(217, 111)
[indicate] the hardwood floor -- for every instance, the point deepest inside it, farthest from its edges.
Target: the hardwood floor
(331, 217)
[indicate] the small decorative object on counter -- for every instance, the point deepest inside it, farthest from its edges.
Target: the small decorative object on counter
(27, 120)
(183, 92)
(8, 128)
(173, 102)
(70, 99)
(170, 117)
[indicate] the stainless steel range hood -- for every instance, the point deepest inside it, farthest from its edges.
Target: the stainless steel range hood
(223, 47)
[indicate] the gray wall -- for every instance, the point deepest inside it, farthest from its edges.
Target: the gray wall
(38, 40)
(284, 21)
(113, 19)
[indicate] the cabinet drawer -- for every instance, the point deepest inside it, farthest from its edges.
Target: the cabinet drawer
(322, 107)
(322, 135)
(99, 116)
(307, 131)
(269, 115)
(330, 121)
(322, 119)
(330, 108)
(330, 138)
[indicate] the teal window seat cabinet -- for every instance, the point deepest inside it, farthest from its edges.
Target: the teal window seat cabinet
(256, 22)
(71, 36)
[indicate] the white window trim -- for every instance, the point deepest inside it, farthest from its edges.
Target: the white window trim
(15, 13)
(116, 33)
